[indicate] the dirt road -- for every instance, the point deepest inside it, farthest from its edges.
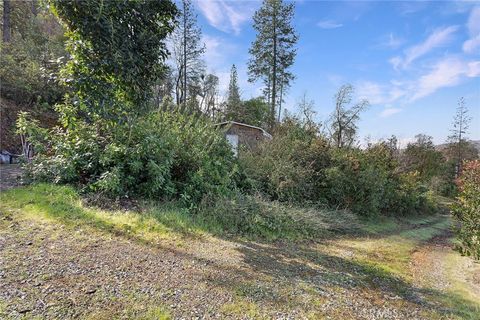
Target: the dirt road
(51, 270)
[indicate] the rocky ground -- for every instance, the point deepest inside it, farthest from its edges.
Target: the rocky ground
(52, 271)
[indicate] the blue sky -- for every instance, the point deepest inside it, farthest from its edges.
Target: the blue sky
(411, 60)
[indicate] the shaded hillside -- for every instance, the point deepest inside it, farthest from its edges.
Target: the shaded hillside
(9, 111)
(475, 143)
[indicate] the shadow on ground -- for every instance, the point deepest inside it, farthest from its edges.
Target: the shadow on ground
(298, 263)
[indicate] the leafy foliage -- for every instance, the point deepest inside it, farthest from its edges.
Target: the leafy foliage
(116, 47)
(369, 183)
(256, 112)
(300, 166)
(421, 157)
(117, 139)
(287, 167)
(32, 135)
(29, 62)
(466, 209)
(166, 155)
(110, 140)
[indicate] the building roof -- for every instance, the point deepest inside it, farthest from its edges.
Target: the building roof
(265, 133)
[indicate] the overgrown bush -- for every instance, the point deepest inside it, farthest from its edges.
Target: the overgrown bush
(466, 209)
(163, 155)
(354, 182)
(110, 140)
(253, 216)
(300, 166)
(368, 182)
(288, 168)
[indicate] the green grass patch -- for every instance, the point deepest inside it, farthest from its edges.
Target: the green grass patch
(63, 204)
(129, 305)
(242, 216)
(390, 242)
(391, 225)
(384, 254)
(463, 296)
(242, 308)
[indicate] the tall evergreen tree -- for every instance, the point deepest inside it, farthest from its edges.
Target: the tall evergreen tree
(233, 107)
(458, 139)
(273, 51)
(187, 51)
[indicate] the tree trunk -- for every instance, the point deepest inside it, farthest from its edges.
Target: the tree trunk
(280, 101)
(178, 86)
(7, 28)
(274, 70)
(184, 53)
(459, 149)
(34, 8)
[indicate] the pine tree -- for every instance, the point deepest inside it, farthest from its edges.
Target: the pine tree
(458, 139)
(233, 107)
(273, 51)
(187, 52)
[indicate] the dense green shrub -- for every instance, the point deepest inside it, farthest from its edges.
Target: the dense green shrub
(354, 183)
(288, 167)
(117, 49)
(164, 155)
(369, 183)
(110, 140)
(466, 209)
(29, 63)
(299, 166)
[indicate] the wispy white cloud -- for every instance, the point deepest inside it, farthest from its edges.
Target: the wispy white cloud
(447, 72)
(392, 41)
(389, 41)
(438, 38)
(329, 24)
(214, 49)
(472, 45)
(411, 7)
(396, 62)
(335, 79)
(381, 94)
(371, 91)
(227, 16)
(218, 57)
(388, 112)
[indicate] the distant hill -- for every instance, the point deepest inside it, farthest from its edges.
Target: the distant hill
(476, 143)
